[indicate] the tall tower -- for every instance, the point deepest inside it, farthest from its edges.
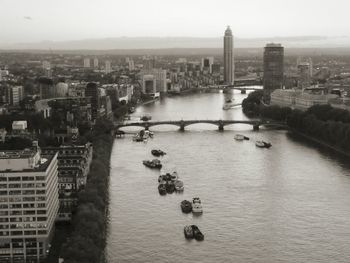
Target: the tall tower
(229, 67)
(273, 69)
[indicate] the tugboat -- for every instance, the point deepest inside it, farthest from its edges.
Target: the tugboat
(158, 153)
(146, 118)
(179, 185)
(155, 163)
(174, 176)
(186, 206)
(239, 137)
(170, 187)
(162, 189)
(197, 233)
(262, 144)
(197, 206)
(188, 231)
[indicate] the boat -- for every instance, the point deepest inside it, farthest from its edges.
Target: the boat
(228, 101)
(137, 138)
(246, 138)
(145, 118)
(188, 231)
(197, 234)
(131, 109)
(227, 107)
(179, 185)
(158, 153)
(186, 206)
(262, 144)
(239, 137)
(197, 206)
(162, 189)
(170, 187)
(174, 176)
(155, 163)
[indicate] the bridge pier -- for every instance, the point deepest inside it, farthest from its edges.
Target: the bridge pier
(256, 127)
(182, 126)
(221, 126)
(146, 128)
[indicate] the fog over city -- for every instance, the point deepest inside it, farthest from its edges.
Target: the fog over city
(42, 24)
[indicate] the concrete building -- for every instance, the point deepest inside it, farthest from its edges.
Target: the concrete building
(61, 90)
(92, 91)
(301, 99)
(73, 167)
(148, 84)
(28, 205)
(108, 68)
(273, 69)
(95, 62)
(15, 95)
(160, 77)
(207, 63)
(229, 67)
(131, 65)
(86, 62)
(47, 90)
(304, 74)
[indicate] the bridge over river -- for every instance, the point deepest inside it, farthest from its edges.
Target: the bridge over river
(183, 123)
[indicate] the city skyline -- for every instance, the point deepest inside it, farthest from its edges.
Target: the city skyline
(28, 22)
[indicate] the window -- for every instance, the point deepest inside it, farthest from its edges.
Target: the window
(17, 178)
(29, 212)
(3, 185)
(42, 218)
(15, 206)
(15, 192)
(30, 205)
(28, 192)
(30, 232)
(14, 185)
(28, 178)
(31, 185)
(16, 233)
(40, 178)
(3, 179)
(28, 199)
(3, 192)
(42, 232)
(41, 205)
(40, 192)
(41, 212)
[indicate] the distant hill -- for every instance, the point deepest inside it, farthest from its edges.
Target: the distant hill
(178, 42)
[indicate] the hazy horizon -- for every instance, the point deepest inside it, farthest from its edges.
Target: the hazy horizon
(36, 21)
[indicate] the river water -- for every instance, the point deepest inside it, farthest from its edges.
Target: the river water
(289, 203)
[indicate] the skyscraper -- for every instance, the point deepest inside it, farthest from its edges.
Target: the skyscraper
(108, 67)
(273, 69)
(229, 67)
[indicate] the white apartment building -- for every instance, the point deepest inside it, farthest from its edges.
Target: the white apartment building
(28, 204)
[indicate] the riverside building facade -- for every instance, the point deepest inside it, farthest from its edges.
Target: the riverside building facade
(28, 205)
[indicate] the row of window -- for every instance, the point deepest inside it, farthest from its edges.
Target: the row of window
(23, 185)
(22, 178)
(23, 219)
(22, 192)
(27, 205)
(21, 233)
(22, 199)
(22, 212)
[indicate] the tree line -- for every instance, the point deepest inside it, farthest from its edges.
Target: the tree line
(87, 241)
(323, 122)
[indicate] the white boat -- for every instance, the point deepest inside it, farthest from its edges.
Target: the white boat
(260, 144)
(174, 176)
(179, 185)
(239, 137)
(197, 206)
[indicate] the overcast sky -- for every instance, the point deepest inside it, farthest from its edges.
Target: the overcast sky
(37, 20)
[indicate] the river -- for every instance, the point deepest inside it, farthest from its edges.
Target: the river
(289, 203)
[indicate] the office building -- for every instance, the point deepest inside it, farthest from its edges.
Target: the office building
(273, 69)
(160, 77)
(28, 204)
(47, 90)
(206, 64)
(95, 62)
(73, 167)
(148, 84)
(229, 67)
(92, 91)
(304, 73)
(15, 95)
(86, 62)
(108, 68)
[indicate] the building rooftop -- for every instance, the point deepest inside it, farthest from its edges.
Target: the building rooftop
(273, 45)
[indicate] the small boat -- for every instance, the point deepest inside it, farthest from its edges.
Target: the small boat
(186, 206)
(170, 187)
(262, 144)
(246, 138)
(197, 206)
(179, 185)
(188, 231)
(145, 118)
(197, 234)
(174, 176)
(239, 137)
(162, 189)
(228, 101)
(155, 163)
(158, 153)
(137, 138)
